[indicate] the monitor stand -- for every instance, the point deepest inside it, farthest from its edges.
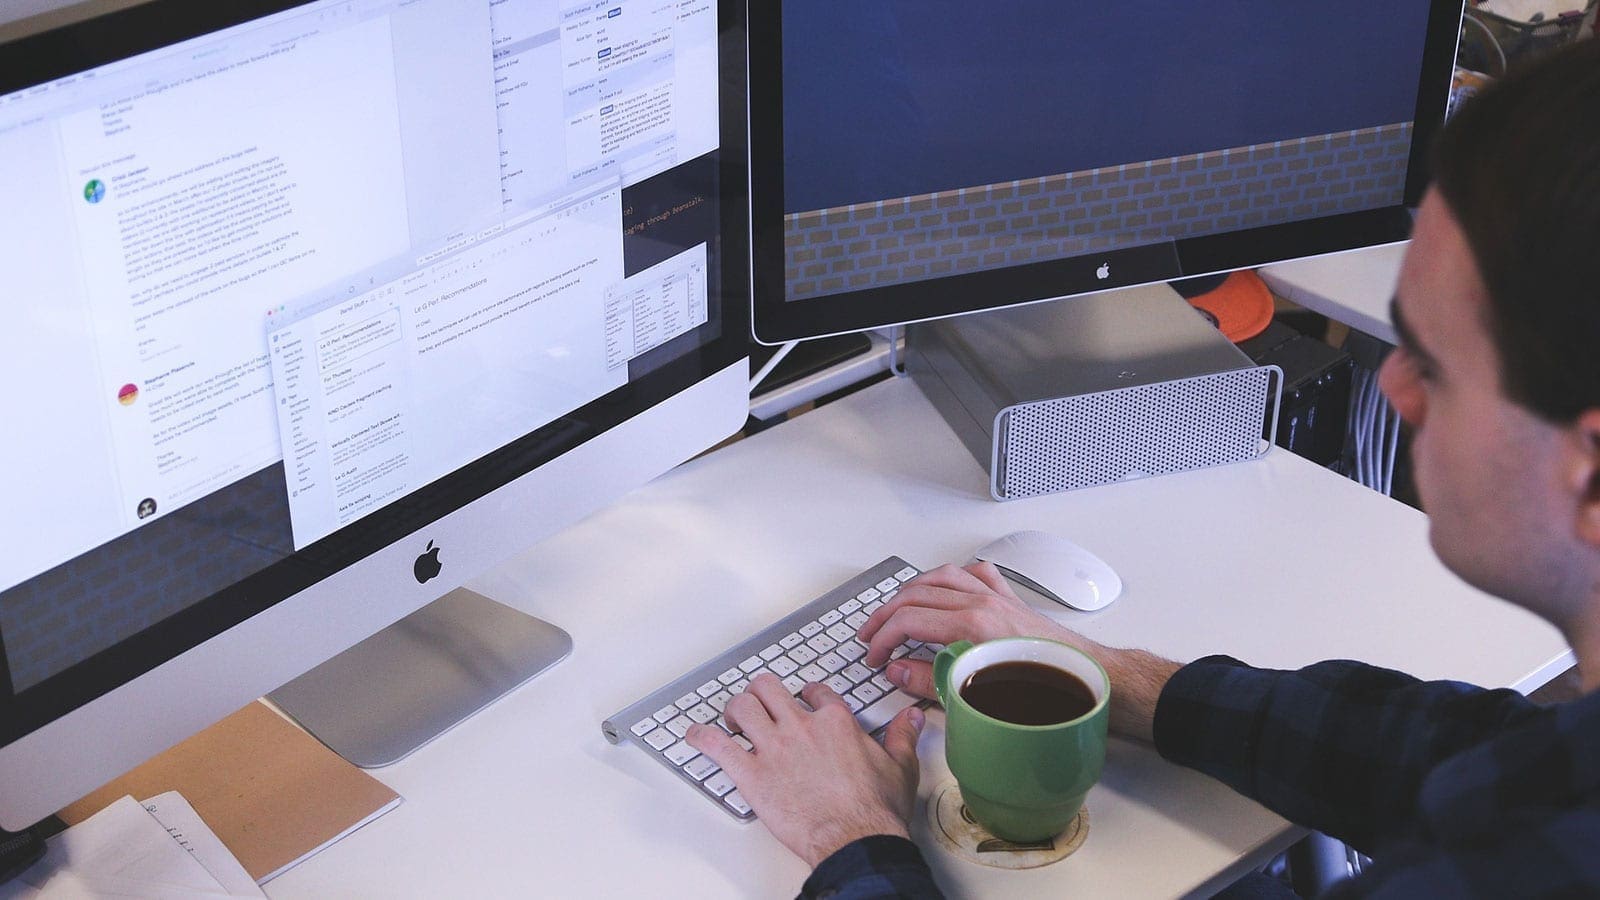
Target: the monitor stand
(385, 697)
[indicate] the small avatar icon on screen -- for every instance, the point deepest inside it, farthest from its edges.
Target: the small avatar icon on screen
(94, 191)
(146, 508)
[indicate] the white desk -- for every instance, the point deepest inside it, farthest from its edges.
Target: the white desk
(1276, 561)
(1353, 287)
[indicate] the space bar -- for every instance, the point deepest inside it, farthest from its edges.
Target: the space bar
(878, 714)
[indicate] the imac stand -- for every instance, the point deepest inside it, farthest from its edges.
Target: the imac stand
(377, 702)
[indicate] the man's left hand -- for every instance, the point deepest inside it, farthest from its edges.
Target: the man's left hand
(815, 778)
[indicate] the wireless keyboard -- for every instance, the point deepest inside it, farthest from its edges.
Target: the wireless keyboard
(816, 642)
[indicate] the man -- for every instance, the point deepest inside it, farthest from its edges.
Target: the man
(1454, 790)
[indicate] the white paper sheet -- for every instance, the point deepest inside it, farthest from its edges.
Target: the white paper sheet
(192, 833)
(120, 851)
(158, 849)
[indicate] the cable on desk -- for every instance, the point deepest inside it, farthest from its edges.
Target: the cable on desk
(1374, 429)
(772, 363)
(897, 365)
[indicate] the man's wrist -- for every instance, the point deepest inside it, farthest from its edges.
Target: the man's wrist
(1137, 679)
(891, 865)
(832, 840)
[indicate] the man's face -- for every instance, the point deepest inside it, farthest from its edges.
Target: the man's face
(1487, 470)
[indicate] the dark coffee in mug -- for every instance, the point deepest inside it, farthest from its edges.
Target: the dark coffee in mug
(1027, 693)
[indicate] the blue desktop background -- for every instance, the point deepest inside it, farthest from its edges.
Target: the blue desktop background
(891, 98)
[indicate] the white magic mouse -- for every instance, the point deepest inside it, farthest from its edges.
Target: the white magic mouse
(1055, 567)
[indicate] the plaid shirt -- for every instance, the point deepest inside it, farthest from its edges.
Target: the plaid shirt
(1455, 791)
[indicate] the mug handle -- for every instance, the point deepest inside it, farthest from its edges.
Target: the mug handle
(941, 668)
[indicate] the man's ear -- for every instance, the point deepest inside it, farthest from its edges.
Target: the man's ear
(1583, 471)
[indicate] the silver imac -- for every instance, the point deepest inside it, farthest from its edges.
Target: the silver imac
(319, 309)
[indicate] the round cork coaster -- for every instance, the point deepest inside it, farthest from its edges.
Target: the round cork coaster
(956, 832)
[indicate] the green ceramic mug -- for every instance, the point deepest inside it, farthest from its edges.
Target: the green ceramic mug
(1021, 782)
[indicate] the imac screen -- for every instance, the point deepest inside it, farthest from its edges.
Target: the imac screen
(288, 281)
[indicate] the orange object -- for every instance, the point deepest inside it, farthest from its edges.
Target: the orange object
(1241, 306)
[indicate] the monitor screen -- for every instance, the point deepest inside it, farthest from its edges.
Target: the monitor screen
(913, 160)
(290, 280)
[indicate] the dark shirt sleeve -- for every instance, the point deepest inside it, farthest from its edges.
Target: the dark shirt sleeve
(1340, 747)
(879, 866)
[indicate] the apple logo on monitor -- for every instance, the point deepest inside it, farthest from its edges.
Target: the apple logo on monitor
(428, 564)
(1103, 272)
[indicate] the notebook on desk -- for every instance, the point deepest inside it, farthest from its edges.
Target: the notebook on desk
(271, 792)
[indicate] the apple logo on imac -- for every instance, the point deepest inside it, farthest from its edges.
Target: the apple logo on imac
(428, 564)
(1103, 272)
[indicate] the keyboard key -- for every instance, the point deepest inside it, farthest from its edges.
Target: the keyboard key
(811, 628)
(666, 714)
(851, 650)
(643, 727)
(830, 617)
(784, 666)
(688, 700)
(833, 662)
(791, 641)
(793, 683)
(856, 620)
(882, 682)
(812, 673)
(867, 693)
(899, 651)
(729, 677)
(905, 574)
(736, 802)
(772, 652)
(854, 704)
(822, 643)
(850, 606)
(888, 584)
(870, 608)
(803, 655)
(840, 684)
(839, 631)
(889, 596)
(751, 664)
(740, 686)
(923, 653)
(878, 714)
(744, 742)
(680, 726)
(660, 739)
(680, 753)
(869, 595)
(718, 784)
(703, 714)
(719, 700)
(701, 767)
(856, 672)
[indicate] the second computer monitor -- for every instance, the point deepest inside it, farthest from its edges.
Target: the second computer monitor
(914, 160)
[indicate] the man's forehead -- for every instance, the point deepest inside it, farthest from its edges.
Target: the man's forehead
(1440, 307)
(1439, 281)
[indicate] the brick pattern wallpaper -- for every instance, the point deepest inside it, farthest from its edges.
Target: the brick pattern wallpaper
(1062, 216)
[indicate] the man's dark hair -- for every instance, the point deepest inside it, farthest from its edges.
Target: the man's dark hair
(1519, 166)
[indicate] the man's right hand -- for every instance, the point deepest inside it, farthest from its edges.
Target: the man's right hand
(976, 603)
